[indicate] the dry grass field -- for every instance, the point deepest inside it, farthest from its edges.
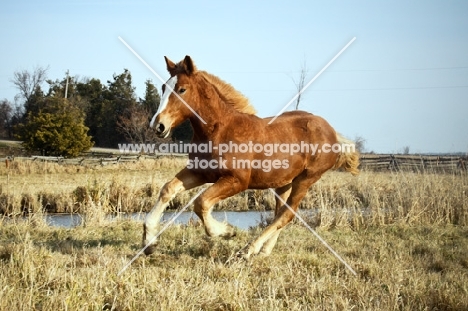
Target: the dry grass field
(400, 267)
(404, 233)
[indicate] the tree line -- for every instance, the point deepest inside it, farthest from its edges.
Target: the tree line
(71, 115)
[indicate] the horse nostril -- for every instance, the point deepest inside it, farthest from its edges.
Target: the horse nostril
(160, 128)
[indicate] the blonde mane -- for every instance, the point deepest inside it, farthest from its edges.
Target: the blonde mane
(229, 94)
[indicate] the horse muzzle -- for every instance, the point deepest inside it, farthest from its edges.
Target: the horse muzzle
(162, 131)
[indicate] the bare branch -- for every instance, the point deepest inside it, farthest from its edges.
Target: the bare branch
(27, 82)
(135, 125)
(301, 83)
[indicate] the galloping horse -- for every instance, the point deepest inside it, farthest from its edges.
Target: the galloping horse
(261, 154)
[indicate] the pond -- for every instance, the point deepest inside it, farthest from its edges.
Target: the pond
(242, 220)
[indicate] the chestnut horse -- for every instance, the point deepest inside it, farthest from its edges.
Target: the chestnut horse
(223, 117)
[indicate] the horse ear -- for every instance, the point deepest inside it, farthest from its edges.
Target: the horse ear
(189, 65)
(169, 65)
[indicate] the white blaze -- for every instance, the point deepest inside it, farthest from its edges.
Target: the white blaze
(170, 84)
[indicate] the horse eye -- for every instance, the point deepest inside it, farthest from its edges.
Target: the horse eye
(181, 91)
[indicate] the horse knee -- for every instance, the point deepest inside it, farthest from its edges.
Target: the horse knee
(166, 192)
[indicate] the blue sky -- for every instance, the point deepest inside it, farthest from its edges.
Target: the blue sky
(402, 82)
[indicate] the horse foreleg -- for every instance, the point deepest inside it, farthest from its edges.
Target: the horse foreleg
(184, 180)
(283, 193)
(223, 188)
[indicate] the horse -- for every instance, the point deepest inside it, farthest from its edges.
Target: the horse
(223, 118)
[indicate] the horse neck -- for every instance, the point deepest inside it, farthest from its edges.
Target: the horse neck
(212, 109)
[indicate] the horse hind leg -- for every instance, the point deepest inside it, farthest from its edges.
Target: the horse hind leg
(184, 180)
(283, 193)
(223, 188)
(300, 185)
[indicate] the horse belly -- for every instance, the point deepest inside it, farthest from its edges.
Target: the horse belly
(268, 177)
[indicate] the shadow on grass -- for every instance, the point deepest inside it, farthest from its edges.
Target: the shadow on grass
(71, 245)
(217, 249)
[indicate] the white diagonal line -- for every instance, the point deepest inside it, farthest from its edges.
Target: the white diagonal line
(315, 233)
(313, 79)
(161, 79)
(160, 232)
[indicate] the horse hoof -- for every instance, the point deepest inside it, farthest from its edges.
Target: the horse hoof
(230, 232)
(263, 254)
(149, 250)
(242, 255)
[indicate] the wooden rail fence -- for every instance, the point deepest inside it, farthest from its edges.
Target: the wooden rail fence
(92, 158)
(380, 162)
(374, 162)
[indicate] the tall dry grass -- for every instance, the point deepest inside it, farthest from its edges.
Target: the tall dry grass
(27, 186)
(338, 199)
(379, 198)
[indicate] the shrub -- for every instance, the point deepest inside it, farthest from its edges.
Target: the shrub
(56, 130)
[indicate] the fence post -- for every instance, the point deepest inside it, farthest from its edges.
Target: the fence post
(461, 164)
(423, 162)
(393, 163)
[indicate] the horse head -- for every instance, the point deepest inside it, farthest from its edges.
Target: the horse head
(178, 97)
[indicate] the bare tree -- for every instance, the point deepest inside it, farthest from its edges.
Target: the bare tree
(27, 82)
(359, 143)
(300, 83)
(135, 125)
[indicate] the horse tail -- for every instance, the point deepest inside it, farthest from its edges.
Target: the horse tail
(348, 158)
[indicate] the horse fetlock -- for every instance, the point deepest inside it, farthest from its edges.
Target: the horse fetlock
(247, 252)
(230, 232)
(254, 248)
(214, 229)
(148, 240)
(268, 246)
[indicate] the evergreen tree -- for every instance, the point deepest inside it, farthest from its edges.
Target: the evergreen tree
(6, 114)
(58, 129)
(151, 101)
(35, 102)
(104, 106)
(92, 93)
(119, 101)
